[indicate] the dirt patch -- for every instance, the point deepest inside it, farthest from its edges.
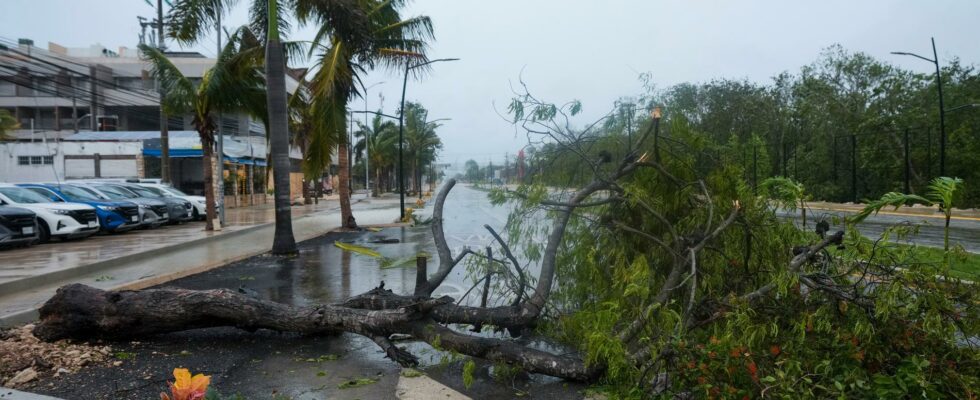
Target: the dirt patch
(26, 359)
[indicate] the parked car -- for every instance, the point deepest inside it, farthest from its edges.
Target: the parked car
(18, 226)
(114, 216)
(180, 210)
(58, 220)
(153, 213)
(198, 202)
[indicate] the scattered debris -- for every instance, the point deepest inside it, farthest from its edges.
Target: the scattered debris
(357, 249)
(353, 383)
(26, 359)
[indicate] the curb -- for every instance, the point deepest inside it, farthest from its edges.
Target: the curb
(31, 314)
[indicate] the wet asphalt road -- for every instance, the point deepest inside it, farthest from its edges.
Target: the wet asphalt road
(265, 364)
(966, 232)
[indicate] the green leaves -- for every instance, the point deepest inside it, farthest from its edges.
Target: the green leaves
(942, 191)
(890, 199)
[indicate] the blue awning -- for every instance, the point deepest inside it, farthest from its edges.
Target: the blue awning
(175, 153)
(195, 153)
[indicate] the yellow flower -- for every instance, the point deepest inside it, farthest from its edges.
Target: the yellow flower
(186, 387)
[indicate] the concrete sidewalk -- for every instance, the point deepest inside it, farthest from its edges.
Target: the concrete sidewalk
(135, 260)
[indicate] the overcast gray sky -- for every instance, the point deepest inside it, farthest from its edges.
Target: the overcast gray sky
(576, 49)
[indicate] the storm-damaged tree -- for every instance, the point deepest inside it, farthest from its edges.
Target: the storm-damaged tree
(663, 278)
(234, 84)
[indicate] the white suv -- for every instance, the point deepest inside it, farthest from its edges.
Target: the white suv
(55, 219)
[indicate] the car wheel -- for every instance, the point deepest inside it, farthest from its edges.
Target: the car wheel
(195, 215)
(43, 232)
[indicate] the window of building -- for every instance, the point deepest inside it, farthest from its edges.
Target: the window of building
(7, 88)
(35, 160)
(44, 87)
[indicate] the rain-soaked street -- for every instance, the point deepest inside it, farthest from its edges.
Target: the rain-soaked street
(263, 364)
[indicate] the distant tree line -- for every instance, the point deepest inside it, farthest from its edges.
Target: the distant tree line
(839, 126)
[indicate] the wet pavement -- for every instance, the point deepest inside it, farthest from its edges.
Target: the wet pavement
(264, 364)
(45, 258)
(963, 230)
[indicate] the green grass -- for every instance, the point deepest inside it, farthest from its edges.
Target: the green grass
(963, 265)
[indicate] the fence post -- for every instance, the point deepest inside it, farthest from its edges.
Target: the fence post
(854, 193)
(908, 164)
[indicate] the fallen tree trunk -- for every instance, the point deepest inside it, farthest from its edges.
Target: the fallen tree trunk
(84, 312)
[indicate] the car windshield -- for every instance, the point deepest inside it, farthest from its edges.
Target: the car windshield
(152, 191)
(78, 194)
(97, 195)
(174, 191)
(23, 196)
(141, 191)
(52, 196)
(115, 192)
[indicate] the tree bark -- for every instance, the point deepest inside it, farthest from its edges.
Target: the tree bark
(83, 312)
(207, 155)
(283, 243)
(346, 215)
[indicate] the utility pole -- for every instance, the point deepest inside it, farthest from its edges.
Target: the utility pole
(942, 113)
(506, 166)
(164, 126)
(942, 108)
(908, 163)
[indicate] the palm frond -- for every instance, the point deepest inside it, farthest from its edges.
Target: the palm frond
(258, 17)
(890, 199)
(178, 91)
(943, 189)
(190, 20)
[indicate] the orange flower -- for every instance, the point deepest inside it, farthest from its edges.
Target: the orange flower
(775, 350)
(753, 370)
(186, 387)
(714, 340)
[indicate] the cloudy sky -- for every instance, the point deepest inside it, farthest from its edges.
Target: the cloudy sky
(576, 49)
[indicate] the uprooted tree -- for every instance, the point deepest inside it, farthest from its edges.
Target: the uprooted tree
(669, 278)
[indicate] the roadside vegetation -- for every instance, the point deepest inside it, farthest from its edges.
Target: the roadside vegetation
(681, 280)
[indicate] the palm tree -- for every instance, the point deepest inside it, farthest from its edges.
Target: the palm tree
(7, 124)
(377, 36)
(380, 140)
(942, 192)
(234, 84)
(275, 71)
(421, 141)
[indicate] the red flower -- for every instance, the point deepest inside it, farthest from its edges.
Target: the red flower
(775, 350)
(753, 370)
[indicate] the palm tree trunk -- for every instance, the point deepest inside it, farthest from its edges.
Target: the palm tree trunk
(346, 215)
(207, 150)
(377, 182)
(275, 71)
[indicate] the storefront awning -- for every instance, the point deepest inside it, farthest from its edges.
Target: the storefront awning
(197, 153)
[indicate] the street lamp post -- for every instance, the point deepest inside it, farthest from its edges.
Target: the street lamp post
(401, 131)
(367, 143)
(942, 108)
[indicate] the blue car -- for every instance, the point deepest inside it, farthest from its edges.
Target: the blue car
(114, 216)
